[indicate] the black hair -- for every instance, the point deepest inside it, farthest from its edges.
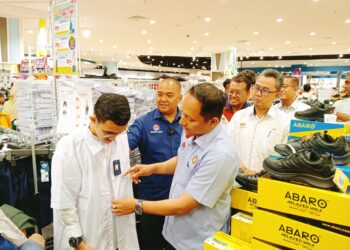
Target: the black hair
(112, 107)
(293, 79)
(211, 98)
(226, 82)
(307, 87)
(246, 76)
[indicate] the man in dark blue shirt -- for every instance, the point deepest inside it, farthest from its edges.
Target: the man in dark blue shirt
(157, 134)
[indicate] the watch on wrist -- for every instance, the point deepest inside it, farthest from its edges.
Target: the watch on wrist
(75, 241)
(138, 207)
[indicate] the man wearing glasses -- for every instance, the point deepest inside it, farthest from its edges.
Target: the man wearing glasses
(157, 134)
(239, 93)
(342, 107)
(289, 102)
(86, 177)
(257, 129)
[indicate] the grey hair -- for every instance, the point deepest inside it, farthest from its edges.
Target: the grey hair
(274, 74)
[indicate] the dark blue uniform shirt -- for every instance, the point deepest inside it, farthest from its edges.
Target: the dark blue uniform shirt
(158, 141)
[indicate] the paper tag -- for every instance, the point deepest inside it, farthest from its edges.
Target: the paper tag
(330, 118)
(341, 180)
(44, 171)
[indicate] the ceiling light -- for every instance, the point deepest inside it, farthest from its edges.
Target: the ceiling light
(151, 48)
(206, 34)
(247, 43)
(253, 63)
(92, 50)
(269, 65)
(86, 33)
(287, 42)
(312, 33)
(256, 33)
(310, 48)
(334, 43)
(207, 19)
(279, 20)
(114, 46)
(289, 52)
(261, 57)
(315, 1)
(144, 32)
(271, 48)
(30, 31)
(195, 41)
(152, 21)
(341, 55)
(280, 57)
(100, 41)
(191, 48)
(149, 41)
(101, 54)
(346, 60)
(347, 21)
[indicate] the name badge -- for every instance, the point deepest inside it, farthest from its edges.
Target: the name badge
(116, 167)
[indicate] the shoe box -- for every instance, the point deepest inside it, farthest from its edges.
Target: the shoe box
(242, 226)
(328, 209)
(243, 200)
(264, 245)
(300, 128)
(295, 234)
(222, 241)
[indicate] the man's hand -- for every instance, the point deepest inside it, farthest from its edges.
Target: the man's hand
(38, 239)
(83, 246)
(139, 170)
(123, 206)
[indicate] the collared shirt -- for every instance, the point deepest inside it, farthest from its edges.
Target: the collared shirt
(228, 111)
(297, 105)
(205, 169)
(85, 177)
(158, 141)
(343, 106)
(255, 138)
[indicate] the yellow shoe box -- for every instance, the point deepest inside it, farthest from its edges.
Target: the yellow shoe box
(242, 226)
(222, 241)
(299, 128)
(261, 245)
(294, 234)
(294, 199)
(243, 200)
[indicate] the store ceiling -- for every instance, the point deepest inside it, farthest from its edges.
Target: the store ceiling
(121, 30)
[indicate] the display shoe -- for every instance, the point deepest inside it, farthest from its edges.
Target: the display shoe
(249, 182)
(313, 103)
(321, 143)
(306, 166)
(315, 113)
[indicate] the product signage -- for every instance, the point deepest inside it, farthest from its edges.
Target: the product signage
(65, 38)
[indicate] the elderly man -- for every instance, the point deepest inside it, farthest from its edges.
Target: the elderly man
(257, 129)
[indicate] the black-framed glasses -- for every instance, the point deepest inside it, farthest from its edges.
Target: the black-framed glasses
(171, 131)
(263, 91)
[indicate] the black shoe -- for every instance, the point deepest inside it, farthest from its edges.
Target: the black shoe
(313, 103)
(249, 182)
(306, 166)
(321, 143)
(315, 113)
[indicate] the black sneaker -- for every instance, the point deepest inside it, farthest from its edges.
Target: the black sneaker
(249, 182)
(306, 166)
(321, 143)
(315, 113)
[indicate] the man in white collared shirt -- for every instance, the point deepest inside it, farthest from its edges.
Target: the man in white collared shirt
(257, 129)
(87, 175)
(342, 107)
(289, 102)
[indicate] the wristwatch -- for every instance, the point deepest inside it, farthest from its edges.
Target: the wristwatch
(138, 207)
(75, 241)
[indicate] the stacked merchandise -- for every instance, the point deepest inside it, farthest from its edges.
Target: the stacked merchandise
(35, 113)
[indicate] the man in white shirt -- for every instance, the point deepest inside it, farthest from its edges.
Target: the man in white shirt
(289, 102)
(257, 129)
(342, 107)
(86, 177)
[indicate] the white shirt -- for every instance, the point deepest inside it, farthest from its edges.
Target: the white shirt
(10, 232)
(297, 105)
(343, 106)
(83, 180)
(255, 138)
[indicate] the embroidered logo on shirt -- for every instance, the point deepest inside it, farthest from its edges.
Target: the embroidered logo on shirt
(242, 125)
(194, 159)
(155, 129)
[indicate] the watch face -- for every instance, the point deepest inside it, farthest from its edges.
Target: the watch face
(74, 242)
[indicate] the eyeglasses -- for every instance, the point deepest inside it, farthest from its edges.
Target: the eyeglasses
(263, 91)
(171, 131)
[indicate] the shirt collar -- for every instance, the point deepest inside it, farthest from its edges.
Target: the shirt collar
(204, 140)
(158, 115)
(272, 111)
(92, 142)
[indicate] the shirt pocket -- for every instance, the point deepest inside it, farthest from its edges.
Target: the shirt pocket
(274, 137)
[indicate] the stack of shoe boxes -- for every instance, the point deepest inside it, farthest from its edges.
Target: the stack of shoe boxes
(301, 217)
(222, 241)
